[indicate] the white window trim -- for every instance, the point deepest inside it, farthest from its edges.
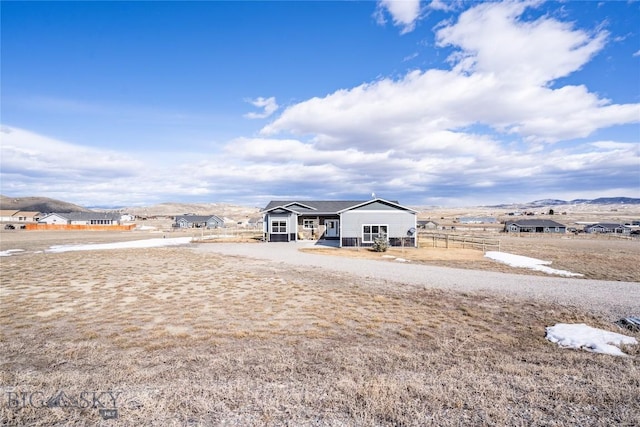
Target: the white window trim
(305, 226)
(279, 221)
(374, 225)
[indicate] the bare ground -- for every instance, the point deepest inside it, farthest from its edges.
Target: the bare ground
(191, 338)
(594, 258)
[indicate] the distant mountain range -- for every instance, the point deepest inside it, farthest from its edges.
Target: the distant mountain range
(557, 202)
(46, 205)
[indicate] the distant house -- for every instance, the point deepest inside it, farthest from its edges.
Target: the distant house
(351, 223)
(256, 222)
(603, 227)
(198, 221)
(477, 220)
(127, 218)
(81, 218)
(9, 215)
(534, 226)
(427, 224)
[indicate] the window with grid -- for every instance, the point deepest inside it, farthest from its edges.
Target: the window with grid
(372, 231)
(279, 226)
(308, 223)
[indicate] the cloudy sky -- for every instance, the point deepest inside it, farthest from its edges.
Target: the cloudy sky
(449, 103)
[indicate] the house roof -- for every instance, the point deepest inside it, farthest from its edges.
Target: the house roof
(199, 218)
(13, 212)
(606, 225)
(319, 207)
(315, 206)
(83, 216)
(535, 223)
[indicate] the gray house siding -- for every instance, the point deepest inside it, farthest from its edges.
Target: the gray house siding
(398, 224)
(607, 228)
(534, 226)
(274, 225)
(292, 220)
(198, 221)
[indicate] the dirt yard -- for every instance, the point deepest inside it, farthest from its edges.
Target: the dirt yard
(595, 258)
(170, 336)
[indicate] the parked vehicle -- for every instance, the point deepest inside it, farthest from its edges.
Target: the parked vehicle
(9, 227)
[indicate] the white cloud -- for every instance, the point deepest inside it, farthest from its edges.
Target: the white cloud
(636, 53)
(444, 5)
(431, 135)
(404, 13)
(26, 151)
(502, 77)
(268, 104)
(492, 39)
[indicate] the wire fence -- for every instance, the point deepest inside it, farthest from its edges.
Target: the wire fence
(444, 240)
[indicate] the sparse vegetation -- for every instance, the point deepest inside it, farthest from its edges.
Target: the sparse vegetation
(380, 243)
(201, 339)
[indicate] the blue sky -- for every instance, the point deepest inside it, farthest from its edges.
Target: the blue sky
(429, 103)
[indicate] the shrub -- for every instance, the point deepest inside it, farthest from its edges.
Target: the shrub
(380, 243)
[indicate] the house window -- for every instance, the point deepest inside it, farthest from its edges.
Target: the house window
(371, 231)
(279, 227)
(308, 223)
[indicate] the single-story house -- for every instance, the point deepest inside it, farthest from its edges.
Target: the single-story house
(603, 227)
(427, 224)
(9, 215)
(477, 220)
(127, 218)
(255, 222)
(534, 226)
(198, 221)
(81, 218)
(351, 223)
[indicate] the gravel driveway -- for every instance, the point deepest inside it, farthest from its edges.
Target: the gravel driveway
(613, 300)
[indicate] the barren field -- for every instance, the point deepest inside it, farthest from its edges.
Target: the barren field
(597, 258)
(172, 336)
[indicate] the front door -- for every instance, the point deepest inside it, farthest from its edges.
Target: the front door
(332, 228)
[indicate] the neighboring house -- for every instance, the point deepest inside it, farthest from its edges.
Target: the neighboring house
(603, 227)
(18, 216)
(534, 226)
(198, 221)
(477, 220)
(351, 223)
(81, 218)
(127, 218)
(256, 223)
(427, 224)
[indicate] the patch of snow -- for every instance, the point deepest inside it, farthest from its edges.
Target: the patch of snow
(388, 256)
(148, 243)
(402, 260)
(581, 336)
(10, 252)
(526, 262)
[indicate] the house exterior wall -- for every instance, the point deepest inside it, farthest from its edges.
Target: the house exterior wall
(291, 220)
(515, 228)
(7, 215)
(398, 223)
(69, 227)
(607, 228)
(54, 219)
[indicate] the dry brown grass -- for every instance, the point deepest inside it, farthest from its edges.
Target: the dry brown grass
(201, 339)
(593, 257)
